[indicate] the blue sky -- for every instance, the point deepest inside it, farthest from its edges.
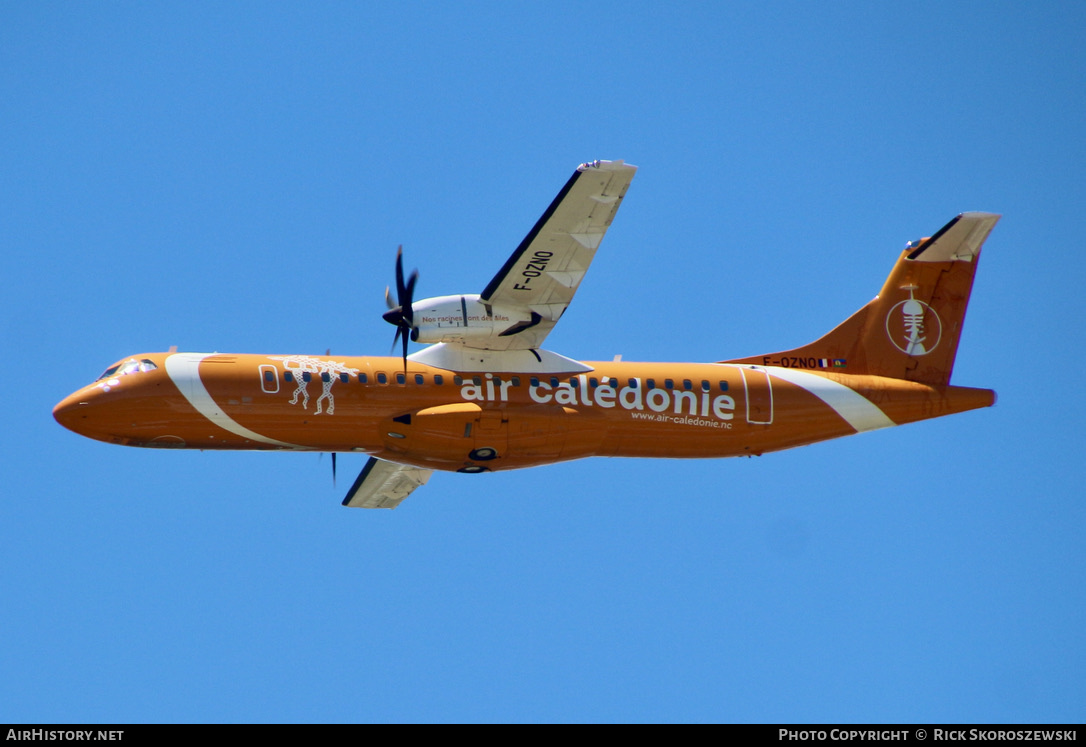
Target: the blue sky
(237, 177)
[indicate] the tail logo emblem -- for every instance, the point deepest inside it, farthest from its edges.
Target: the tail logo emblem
(913, 326)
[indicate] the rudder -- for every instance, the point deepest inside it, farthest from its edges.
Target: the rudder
(911, 329)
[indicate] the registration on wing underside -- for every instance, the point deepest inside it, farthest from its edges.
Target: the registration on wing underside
(547, 268)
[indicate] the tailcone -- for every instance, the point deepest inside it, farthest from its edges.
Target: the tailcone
(962, 398)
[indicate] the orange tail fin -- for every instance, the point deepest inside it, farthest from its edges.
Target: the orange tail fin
(911, 329)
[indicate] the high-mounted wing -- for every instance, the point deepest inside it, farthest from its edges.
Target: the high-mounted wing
(384, 484)
(545, 270)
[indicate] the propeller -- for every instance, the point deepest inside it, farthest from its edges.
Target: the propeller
(400, 313)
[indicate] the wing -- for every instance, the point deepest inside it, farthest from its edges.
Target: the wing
(545, 270)
(384, 484)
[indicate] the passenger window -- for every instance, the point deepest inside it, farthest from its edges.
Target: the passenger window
(477, 380)
(362, 378)
(382, 377)
(669, 383)
(534, 381)
(269, 376)
(574, 382)
(439, 379)
(400, 378)
(306, 376)
(687, 384)
(593, 382)
(326, 377)
(554, 381)
(515, 380)
(458, 380)
(723, 386)
(418, 378)
(288, 376)
(651, 383)
(632, 383)
(613, 382)
(344, 377)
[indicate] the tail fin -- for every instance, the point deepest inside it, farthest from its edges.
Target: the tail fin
(911, 329)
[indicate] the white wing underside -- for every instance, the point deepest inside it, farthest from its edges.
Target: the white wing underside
(384, 484)
(546, 269)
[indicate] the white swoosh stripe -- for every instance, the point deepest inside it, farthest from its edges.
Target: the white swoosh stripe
(184, 371)
(858, 411)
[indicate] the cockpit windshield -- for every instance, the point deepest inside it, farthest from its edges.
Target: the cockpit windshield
(129, 366)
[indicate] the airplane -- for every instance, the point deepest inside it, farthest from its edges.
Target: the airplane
(485, 396)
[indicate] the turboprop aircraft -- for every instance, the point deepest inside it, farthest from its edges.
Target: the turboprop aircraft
(485, 395)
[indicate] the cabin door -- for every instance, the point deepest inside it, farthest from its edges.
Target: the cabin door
(758, 392)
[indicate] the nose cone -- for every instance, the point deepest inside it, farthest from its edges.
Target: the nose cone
(67, 411)
(393, 316)
(82, 413)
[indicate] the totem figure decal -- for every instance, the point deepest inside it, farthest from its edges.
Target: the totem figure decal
(302, 368)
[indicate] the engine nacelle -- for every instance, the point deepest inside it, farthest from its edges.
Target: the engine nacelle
(466, 319)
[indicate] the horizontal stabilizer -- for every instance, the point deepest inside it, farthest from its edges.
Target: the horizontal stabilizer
(960, 239)
(384, 484)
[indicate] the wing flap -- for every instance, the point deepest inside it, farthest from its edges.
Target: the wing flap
(384, 484)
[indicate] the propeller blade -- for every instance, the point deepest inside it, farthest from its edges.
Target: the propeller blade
(333, 469)
(399, 274)
(400, 313)
(409, 296)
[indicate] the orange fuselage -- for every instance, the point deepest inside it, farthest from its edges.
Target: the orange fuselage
(437, 419)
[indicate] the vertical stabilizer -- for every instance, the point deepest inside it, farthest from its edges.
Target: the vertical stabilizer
(911, 329)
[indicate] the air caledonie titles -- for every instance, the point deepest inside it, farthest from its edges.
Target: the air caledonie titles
(631, 397)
